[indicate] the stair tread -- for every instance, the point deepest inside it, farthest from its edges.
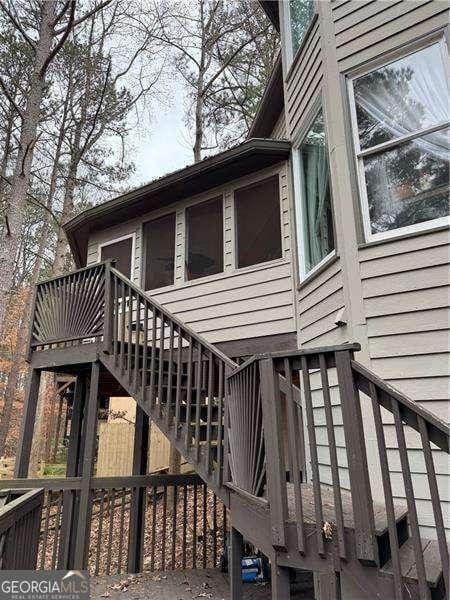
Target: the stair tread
(329, 513)
(431, 557)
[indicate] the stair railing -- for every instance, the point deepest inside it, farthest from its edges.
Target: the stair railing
(176, 375)
(339, 396)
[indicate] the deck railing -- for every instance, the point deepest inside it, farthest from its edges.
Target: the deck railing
(183, 525)
(342, 402)
(20, 514)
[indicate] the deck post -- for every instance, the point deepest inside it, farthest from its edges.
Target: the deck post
(274, 446)
(236, 542)
(29, 415)
(362, 503)
(138, 494)
(85, 502)
(70, 497)
(280, 580)
(109, 311)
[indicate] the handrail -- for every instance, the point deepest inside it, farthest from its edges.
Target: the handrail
(191, 332)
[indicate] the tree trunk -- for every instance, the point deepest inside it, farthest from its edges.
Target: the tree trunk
(10, 241)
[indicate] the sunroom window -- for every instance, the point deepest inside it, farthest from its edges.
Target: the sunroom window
(120, 251)
(313, 199)
(401, 118)
(204, 231)
(159, 252)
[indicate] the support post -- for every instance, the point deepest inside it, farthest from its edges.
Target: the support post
(236, 542)
(326, 586)
(281, 589)
(85, 503)
(29, 415)
(366, 545)
(138, 494)
(273, 442)
(109, 311)
(70, 500)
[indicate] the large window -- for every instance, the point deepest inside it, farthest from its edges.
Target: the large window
(401, 121)
(313, 198)
(159, 248)
(258, 227)
(204, 233)
(120, 250)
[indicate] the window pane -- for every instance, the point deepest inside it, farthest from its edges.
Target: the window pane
(302, 11)
(205, 239)
(121, 251)
(410, 183)
(315, 197)
(257, 209)
(406, 95)
(159, 240)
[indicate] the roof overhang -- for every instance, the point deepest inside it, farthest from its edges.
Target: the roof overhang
(271, 9)
(249, 157)
(271, 104)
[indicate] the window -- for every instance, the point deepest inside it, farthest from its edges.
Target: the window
(121, 250)
(401, 121)
(301, 14)
(313, 198)
(258, 227)
(204, 224)
(159, 243)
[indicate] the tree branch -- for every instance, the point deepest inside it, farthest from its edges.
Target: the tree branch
(10, 98)
(63, 38)
(17, 25)
(84, 17)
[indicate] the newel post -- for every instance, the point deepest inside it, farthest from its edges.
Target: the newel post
(273, 443)
(108, 317)
(366, 546)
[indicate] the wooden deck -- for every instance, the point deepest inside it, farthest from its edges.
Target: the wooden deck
(182, 585)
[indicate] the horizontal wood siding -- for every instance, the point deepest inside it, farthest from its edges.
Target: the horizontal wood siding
(236, 304)
(304, 81)
(366, 29)
(406, 287)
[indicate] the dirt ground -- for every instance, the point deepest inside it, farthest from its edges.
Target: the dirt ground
(182, 585)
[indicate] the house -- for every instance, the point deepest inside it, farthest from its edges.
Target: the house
(281, 311)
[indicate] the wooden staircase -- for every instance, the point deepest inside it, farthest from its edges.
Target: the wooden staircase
(242, 428)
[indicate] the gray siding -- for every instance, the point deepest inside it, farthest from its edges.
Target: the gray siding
(233, 305)
(304, 82)
(406, 287)
(279, 132)
(366, 29)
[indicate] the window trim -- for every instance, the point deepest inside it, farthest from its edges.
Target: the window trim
(360, 154)
(121, 238)
(303, 274)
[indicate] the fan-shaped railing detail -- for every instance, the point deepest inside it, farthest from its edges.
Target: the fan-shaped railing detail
(246, 439)
(70, 308)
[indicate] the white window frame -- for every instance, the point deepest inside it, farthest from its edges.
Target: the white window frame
(298, 200)
(361, 154)
(285, 22)
(121, 239)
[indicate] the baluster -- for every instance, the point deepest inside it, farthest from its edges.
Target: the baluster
(214, 556)
(153, 535)
(184, 534)
(116, 319)
(194, 529)
(333, 455)
(410, 500)
(169, 376)
(189, 393)
(174, 524)
(112, 503)
(144, 353)
(220, 432)
(130, 335)
(387, 488)
(123, 326)
(153, 359)
(99, 532)
(57, 524)
(161, 364)
(293, 440)
(121, 531)
(209, 412)
(108, 311)
(179, 376)
(164, 529)
(435, 500)
(198, 401)
(205, 523)
(137, 343)
(318, 510)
